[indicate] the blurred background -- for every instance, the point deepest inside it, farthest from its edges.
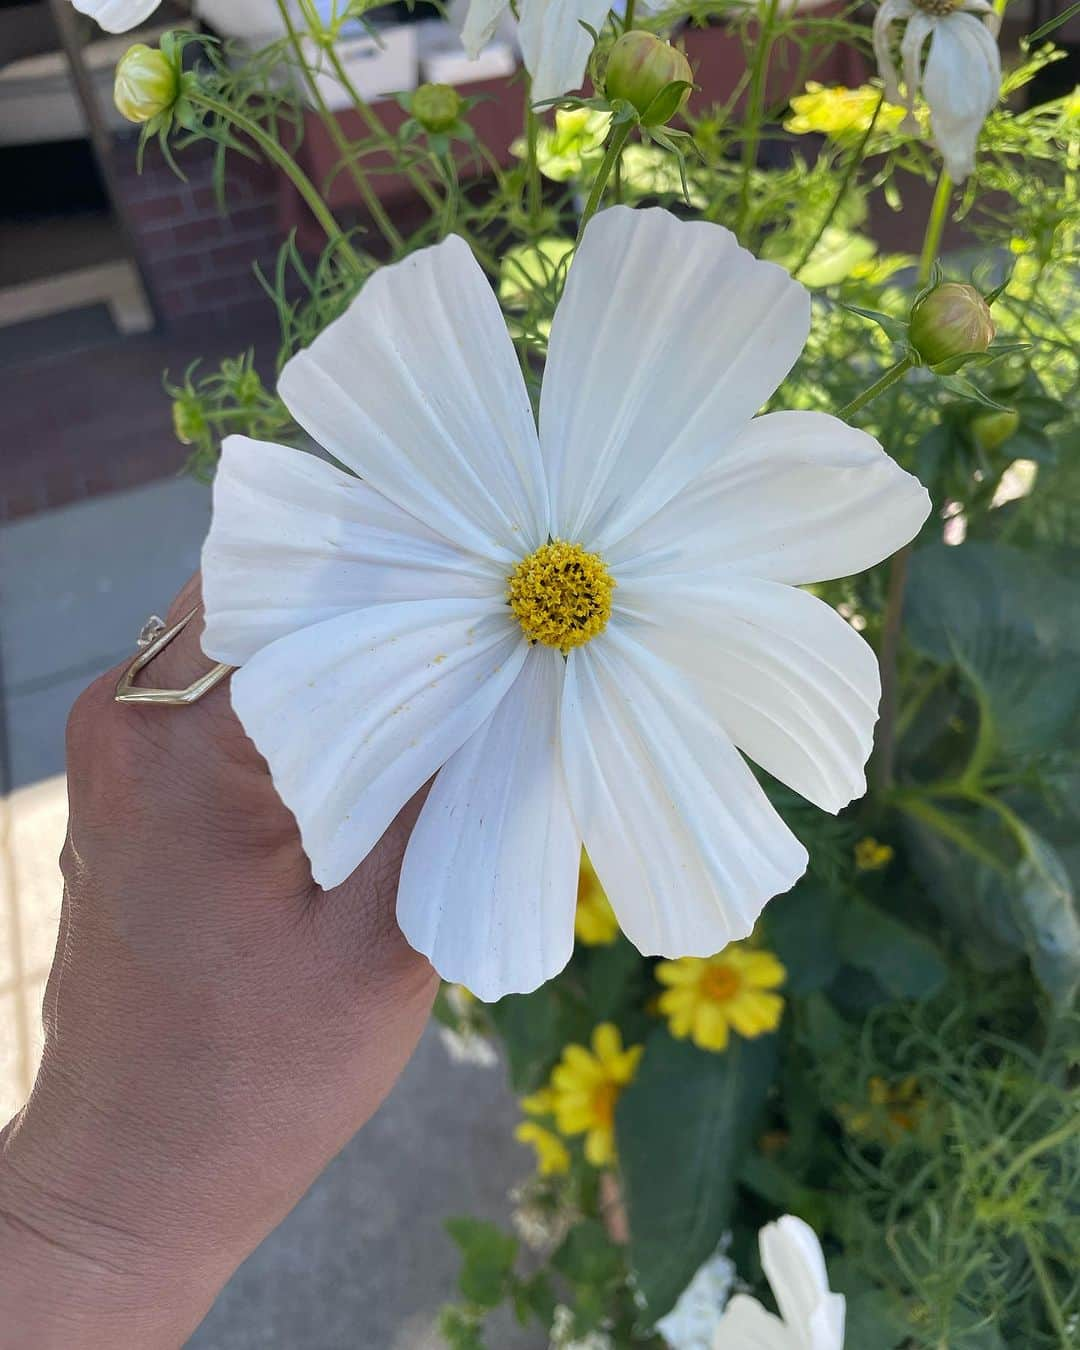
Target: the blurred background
(108, 279)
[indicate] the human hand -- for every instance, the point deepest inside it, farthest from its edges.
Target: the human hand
(217, 1027)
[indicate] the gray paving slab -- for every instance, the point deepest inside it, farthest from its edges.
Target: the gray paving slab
(78, 582)
(363, 1262)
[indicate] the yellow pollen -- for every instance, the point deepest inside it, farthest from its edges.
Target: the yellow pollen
(561, 595)
(721, 983)
(939, 8)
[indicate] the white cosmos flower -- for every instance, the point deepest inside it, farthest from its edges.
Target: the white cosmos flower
(693, 1322)
(371, 622)
(811, 1318)
(554, 46)
(961, 80)
(117, 16)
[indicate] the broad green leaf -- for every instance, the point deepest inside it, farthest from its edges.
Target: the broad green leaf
(488, 1258)
(904, 963)
(684, 1126)
(1011, 622)
(802, 928)
(588, 1256)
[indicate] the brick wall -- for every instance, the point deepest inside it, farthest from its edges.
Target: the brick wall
(198, 260)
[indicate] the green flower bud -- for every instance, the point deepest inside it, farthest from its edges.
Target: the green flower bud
(951, 320)
(147, 83)
(436, 106)
(992, 429)
(640, 69)
(189, 421)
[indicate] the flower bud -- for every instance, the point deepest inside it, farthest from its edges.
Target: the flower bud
(436, 106)
(189, 421)
(147, 83)
(640, 69)
(951, 320)
(992, 429)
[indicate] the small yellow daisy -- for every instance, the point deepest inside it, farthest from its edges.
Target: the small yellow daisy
(586, 1084)
(891, 1110)
(707, 997)
(595, 923)
(870, 856)
(552, 1155)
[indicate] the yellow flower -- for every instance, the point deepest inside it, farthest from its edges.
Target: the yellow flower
(595, 923)
(870, 856)
(840, 112)
(707, 997)
(585, 1085)
(891, 1111)
(552, 1155)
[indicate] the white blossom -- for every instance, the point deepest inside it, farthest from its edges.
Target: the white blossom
(370, 620)
(960, 79)
(811, 1317)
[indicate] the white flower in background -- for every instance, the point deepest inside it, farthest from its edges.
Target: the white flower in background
(564, 1338)
(961, 79)
(693, 1322)
(577, 627)
(466, 1046)
(811, 1318)
(117, 16)
(554, 46)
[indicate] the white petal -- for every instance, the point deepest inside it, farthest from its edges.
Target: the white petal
(745, 1325)
(294, 540)
(961, 84)
(683, 839)
(792, 684)
(919, 28)
(489, 883)
(798, 497)
(888, 12)
(554, 45)
(667, 340)
(794, 1265)
(354, 715)
(417, 388)
(481, 20)
(117, 16)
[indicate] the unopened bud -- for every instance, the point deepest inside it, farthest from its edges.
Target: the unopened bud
(951, 320)
(641, 69)
(147, 83)
(992, 429)
(436, 106)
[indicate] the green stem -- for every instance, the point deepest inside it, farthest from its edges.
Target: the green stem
(884, 762)
(755, 111)
(841, 192)
(341, 141)
(887, 380)
(611, 156)
(374, 124)
(1044, 1145)
(534, 187)
(935, 227)
(279, 157)
(1046, 1288)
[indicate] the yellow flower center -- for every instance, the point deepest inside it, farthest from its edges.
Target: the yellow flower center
(938, 7)
(561, 595)
(721, 983)
(603, 1103)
